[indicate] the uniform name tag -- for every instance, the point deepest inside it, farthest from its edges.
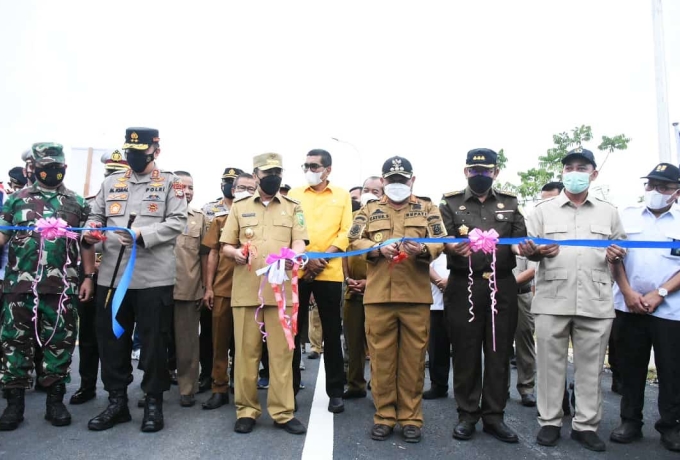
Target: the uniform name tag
(248, 214)
(416, 214)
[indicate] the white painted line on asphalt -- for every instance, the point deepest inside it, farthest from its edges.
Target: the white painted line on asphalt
(319, 439)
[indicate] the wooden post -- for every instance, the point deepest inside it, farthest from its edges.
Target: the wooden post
(88, 173)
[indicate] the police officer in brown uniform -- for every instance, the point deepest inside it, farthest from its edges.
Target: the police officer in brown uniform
(268, 221)
(397, 297)
(481, 206)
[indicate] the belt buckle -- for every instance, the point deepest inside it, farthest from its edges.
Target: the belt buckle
(486, 275)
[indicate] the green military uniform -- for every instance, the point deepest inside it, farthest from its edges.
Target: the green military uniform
(24, 269)
(397, 300)
(462, 212)
(268, 227)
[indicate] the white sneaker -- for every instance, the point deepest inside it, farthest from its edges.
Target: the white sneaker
(135, 355)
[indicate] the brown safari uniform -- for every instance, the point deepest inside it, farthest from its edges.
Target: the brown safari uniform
(397, 306)
(353, 318)
(269, 228)
(222, 318)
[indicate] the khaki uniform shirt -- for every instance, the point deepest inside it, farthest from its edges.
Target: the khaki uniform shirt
(577, 282)
(269, 228)
(158, 199)
(462, 212)
(409, 280)
(222, 283)
(188, 252)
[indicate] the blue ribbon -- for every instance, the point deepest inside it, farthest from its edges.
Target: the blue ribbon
(125, 280)
(626, 244)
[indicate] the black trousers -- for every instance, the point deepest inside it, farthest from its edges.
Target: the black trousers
(205, 344)
(152, 310)
(439, 350)
(88, 348)
(328, 296)
(471, 339)
(637, 335)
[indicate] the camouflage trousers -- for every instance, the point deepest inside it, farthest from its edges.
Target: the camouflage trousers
(18, 339)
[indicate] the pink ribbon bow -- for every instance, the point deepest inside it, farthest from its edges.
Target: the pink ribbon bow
(484, 241)
(50, 229)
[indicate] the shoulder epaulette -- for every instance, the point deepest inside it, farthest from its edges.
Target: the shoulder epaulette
(506, 192)
(293, 200)
(457, 192)
(424, 198)
(547, 200)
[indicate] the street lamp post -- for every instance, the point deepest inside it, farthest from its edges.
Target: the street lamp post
(359, 157)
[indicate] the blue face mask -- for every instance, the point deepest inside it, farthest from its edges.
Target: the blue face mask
(576, 182)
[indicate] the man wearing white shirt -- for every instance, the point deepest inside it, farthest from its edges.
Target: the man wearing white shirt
(439, 347)
(648, 309)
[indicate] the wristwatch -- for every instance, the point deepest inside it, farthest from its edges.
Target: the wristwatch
(90, 275)
(663, 292)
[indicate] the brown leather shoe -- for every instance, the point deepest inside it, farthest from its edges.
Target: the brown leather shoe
(381, 432)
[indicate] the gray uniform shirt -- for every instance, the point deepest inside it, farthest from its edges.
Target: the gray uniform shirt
(158, 199)
(577, 281)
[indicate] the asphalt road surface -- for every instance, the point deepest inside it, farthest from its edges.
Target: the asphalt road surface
(193, 433)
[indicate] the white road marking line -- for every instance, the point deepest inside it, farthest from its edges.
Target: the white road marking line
(319, 439)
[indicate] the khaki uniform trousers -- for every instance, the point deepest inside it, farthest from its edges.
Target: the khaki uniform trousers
(248, 342)
(222, 332)
(589, 337)
(187, 315)
(397, 337)
(525, 346)
(353, 326)
(315, 331)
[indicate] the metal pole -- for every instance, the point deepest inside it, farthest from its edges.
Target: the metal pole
(361, 161)
(663, 120)
(676, 134)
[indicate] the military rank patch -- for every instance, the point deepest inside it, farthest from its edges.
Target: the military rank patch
(115, 208)
(153, 207)
(116, 196)
(300, 219)
(156, 175)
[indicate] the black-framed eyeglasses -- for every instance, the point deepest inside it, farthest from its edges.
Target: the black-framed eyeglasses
(661, 188)
(243, 188)
(313, 166)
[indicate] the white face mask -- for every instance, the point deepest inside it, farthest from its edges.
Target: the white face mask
(243, 194)
(397, 192)
(365, 197)
(655, 200)
(314, 178)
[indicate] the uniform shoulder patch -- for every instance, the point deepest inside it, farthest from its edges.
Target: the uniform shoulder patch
(505, 192)
(457, 192)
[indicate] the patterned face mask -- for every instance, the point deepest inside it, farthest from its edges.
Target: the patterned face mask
(51, 175)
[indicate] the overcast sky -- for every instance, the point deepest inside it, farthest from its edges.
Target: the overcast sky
(224, 81)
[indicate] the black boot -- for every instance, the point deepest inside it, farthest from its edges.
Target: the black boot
(14, 412)
(55, 411)
(116, 412)
(153, 413)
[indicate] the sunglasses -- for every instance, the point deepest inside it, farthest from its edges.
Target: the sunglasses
(313, 166)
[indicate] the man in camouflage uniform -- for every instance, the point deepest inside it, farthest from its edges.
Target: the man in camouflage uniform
(212, 210)
(27, 274)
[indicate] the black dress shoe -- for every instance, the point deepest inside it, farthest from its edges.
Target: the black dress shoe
(354, 394)
(381, 432)
(501, 431)
(82, 395)
(187, 400)
(529, 400)
(411, 433)
(464, 430)
(292, 426)
(313, 355)
(244, 424)
(436, 392)
(336, 405)
(671, 440)
(204, 384)
(626, 432)
(153, 414)
(589, 439)
(216, 400)
(548, 435)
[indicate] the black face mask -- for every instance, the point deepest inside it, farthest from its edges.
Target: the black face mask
(270, 184)
(480, 184)
(50, 177)
(31, 177)
(138, 160)
(226, 189)
(356, 205)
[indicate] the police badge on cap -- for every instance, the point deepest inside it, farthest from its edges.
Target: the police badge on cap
(481, 158)
(140, 138)
(397, 165)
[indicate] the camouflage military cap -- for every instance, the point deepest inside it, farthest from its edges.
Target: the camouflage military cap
(46, 153)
